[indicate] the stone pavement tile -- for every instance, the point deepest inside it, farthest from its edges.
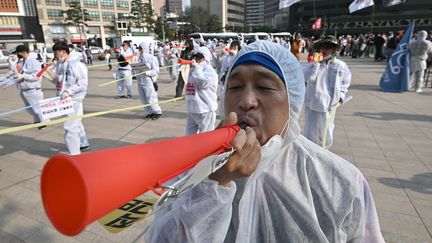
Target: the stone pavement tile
(16, 224)
(408, 165)
(424, 207)
(25, 162)
(399, 153)
(403, 225)
(419, 177)
(417, 191)
(374, 153)
(396, 204)
(397, 238)
(376, 174)
(49, 235)
(97, 229)
(354, 135)
(8, 238)
(7, 180)
(428, 223)
(391, 188)
(18, 170)
(379, 164)
(28, 184)
(90, 237)
(423, 152)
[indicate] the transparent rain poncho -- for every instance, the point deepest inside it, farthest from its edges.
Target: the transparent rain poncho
(298, 193)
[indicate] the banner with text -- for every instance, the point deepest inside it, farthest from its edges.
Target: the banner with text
(54, 107)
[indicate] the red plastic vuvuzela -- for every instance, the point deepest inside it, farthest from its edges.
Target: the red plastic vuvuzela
(184, 62)
(77, 190)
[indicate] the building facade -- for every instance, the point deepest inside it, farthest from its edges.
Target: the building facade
(230, 12)
(336, 18)
(19, 24)
(275, 18)
(174, 6)
(254, 14)
(100, 30)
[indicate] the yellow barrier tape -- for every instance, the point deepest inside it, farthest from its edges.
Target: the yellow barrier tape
(332, 114)
(116, 80)
(99, 113)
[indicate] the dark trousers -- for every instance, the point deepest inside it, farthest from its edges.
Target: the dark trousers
(180, 85)
(378, 54)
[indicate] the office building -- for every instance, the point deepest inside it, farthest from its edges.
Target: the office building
(231, 13)
(101, 28)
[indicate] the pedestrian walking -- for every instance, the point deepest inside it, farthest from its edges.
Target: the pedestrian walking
(124, 71)
(148, 64)
(186, 55)
(201, 94)
(419, 50)
(28, 83)
(327, 83)
(74, 78)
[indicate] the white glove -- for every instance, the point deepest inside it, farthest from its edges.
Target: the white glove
(64, 95)
(147, 73)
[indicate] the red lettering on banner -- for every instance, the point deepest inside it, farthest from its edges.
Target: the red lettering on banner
(190, 89)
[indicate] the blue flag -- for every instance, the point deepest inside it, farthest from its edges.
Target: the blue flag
(396, 77)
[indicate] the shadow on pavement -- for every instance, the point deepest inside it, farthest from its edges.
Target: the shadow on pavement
(389, 116)
(420, 183)
(157, 139)
(12, 143)
(365, 87)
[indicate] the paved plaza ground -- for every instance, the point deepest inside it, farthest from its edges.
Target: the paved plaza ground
(387, 136)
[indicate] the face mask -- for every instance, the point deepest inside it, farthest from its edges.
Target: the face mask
(61, 59)
(234, 52)
(273, 146)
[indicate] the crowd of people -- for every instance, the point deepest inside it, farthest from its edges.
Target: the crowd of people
(278, 184)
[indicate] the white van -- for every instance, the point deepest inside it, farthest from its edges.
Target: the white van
(211, 36)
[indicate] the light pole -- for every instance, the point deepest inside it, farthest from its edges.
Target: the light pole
(83, 23)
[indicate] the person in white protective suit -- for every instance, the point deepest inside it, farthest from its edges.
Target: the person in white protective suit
(327, 83)
(419, 50)
(227, 60)
(277, 186)
(201, 94)
(73, 76)
(124, 71)
(28, 83)
(73, 55)
(147, 82)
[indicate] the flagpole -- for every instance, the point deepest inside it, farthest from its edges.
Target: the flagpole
(372, 18)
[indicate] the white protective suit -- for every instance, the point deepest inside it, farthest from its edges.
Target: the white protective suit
(298, 193)
(29, 84)
(419, 50)
(74, 78)
(327, 83)
(226, 63)
(74, 55)
(145, 81)
(201, 96)
(125, 73)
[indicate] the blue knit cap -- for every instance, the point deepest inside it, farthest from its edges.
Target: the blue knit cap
(260, 58)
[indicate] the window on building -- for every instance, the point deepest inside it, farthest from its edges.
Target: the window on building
(108, 16)
(107, 4)
(53, 2)
(94, 16)
(71, 1)
(234, 3)
(55, 14)
(91, 3)
(122, 4)
(123, 16)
